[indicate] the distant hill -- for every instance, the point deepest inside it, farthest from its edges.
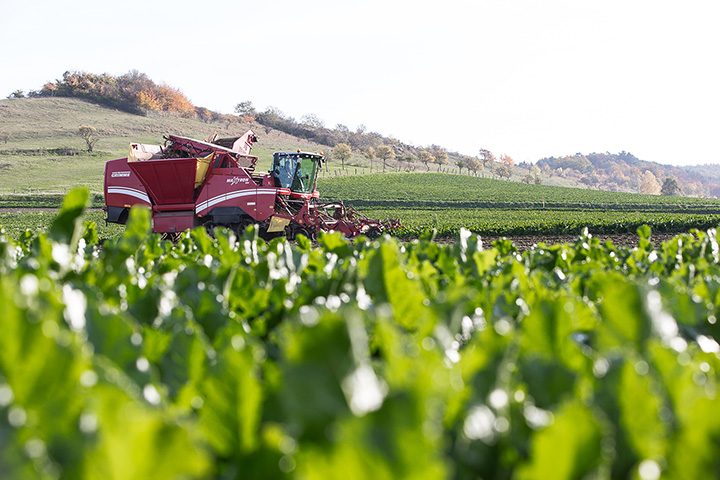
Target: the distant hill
(625, 172)
(710, 174)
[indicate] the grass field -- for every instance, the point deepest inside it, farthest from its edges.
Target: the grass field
(448, 222)
(487, 207)
(16, 223)
(51, 123)
(411, 189)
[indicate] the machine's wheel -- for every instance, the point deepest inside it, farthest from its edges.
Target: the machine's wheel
(239, 228)
(373, 233)
(173, 237)
(292, 231)
(310, 234)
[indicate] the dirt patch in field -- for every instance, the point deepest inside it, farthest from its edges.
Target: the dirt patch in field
(523, 242)
(26, 210)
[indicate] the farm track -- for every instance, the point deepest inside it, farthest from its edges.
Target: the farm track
(37, 209)
(524, 242)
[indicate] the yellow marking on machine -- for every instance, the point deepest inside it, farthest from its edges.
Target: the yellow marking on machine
(278, 224)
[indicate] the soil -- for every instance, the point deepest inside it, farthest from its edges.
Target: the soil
(523, 242)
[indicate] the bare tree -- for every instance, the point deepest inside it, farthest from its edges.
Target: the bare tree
(460, 162)
(440, 154)
(342, 152)
(649, 183)
(89, 134)
(408, 159)
(502, 170)
(17, 94)
(312, 120)
(385, 153)
(245, 108)
(473, 164)
(426, 158)
(370, 154)
(486, 157)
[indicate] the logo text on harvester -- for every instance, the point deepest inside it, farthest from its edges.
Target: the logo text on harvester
(236, 180)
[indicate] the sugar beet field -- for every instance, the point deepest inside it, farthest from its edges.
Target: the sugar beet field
(444, 204)
(229, 357)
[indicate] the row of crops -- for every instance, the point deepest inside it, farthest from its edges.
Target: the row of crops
(462, 191)
(16, 222)
(447, 222)
(426, 190)
(230, 357)
(42, 200)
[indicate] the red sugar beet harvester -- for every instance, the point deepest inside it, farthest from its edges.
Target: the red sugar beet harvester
(189, 183)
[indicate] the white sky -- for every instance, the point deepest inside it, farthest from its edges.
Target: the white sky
(529, 78)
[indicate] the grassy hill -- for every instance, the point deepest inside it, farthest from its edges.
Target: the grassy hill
(40, 151)
(432, 189)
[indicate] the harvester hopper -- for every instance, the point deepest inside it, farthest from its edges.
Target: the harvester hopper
(190, 183)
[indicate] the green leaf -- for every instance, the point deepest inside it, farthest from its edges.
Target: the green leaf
(231, 411)
(135, 441)
(569, 448)
(388, 281)
(315, 360)
(641, 412)
(624, 321)
(387, 444)
(66, 228)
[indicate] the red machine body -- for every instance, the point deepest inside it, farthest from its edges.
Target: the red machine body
(189, 183)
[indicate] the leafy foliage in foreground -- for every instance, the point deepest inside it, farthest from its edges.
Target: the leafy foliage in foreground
(234, 358)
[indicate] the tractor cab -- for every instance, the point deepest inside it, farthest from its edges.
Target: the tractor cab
(297, 171)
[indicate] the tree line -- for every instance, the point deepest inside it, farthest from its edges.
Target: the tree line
(380, 151)
(623, 171)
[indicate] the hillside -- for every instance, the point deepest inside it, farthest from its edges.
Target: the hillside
(409, 189)
(40, 150)
(624, 172)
